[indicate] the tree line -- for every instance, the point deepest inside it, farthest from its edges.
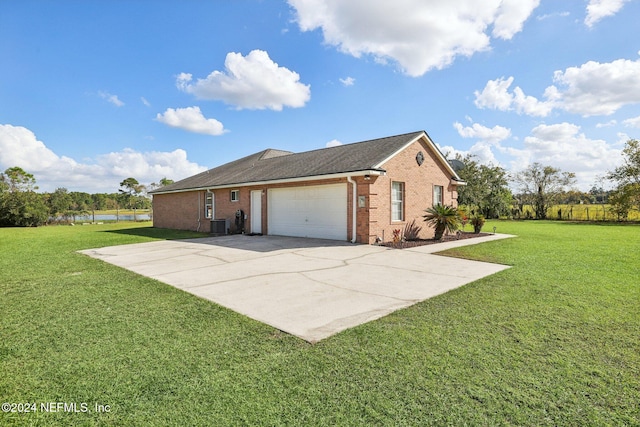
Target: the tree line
(540, 187)
(22, 206)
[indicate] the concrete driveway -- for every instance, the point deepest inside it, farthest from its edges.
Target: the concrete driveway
(310, 288)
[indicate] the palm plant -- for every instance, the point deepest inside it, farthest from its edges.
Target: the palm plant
(477, 221)
(442, 218)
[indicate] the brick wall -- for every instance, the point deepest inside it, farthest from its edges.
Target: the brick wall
(224, 208)
(179, 211)
(363, 212)
(418, 191)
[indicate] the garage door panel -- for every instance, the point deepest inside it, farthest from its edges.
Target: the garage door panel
(314, 211)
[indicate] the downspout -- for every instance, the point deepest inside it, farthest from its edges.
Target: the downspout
(199, 212)
(353, 209)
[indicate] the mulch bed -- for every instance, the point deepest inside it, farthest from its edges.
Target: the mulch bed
(421, 242)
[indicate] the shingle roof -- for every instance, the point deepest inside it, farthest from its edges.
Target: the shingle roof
(270, 165)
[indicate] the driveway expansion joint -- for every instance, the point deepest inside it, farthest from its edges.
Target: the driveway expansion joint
(309, 288)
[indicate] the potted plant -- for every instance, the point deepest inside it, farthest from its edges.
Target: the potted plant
(442, 218)
(477, 221)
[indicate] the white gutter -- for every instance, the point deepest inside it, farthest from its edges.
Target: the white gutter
(199, 210)
(353, 209)
(371, 172)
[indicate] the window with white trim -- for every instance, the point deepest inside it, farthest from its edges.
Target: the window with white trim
(438, 195)
(235, 195)
(397, 201)
(208, 205)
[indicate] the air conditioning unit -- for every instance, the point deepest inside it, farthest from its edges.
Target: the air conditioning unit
(220, 226)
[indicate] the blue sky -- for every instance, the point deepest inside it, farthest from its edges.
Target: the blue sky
(93, 92)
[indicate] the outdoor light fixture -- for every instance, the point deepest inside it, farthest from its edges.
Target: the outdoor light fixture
(367, 177)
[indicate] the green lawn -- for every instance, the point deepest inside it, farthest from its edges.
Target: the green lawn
(554, 341)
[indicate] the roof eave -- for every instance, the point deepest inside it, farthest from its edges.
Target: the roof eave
(364, 172)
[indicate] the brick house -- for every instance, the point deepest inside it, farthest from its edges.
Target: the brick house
(359, 192)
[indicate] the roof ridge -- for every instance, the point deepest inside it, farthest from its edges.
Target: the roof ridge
(337, 147)
(270, 153)
(357, 142)
(369, 140)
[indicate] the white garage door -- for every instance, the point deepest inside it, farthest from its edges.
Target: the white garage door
(315, 211)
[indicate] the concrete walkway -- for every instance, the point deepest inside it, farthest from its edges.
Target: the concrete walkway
(310, 288)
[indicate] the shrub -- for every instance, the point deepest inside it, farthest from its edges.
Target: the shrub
(477, 221)
(412, 231)
(464, 216)
(442, 218)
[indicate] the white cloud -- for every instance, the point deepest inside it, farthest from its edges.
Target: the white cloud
(191, 119)
(496, 95)
(563, 146)
(111, 98)
(598, 89)
(552, 15)
(589, 90)
(145, 102)
(148, 166)
(477, 131)
(599, 9)
(20, 147)
(488, 140)
(418, 35)
(622, 139)
(482, 151)
(349, 81)
(450, 151)
(333, 143)
(511, 16)
(610, 123)
(633, 122)
(253, 82)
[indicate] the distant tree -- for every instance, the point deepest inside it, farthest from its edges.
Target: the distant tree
(20, 205)
(540, 186)
(629, 172)
(598, 194)
(487, 190)
(59, 202)
(99, 201)
(627, 176)
(112, 200)
(573, 197)
(621, 201)
(17, 179)
(131, 192)
(129, 188)
(81, 201)
(162, 183)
